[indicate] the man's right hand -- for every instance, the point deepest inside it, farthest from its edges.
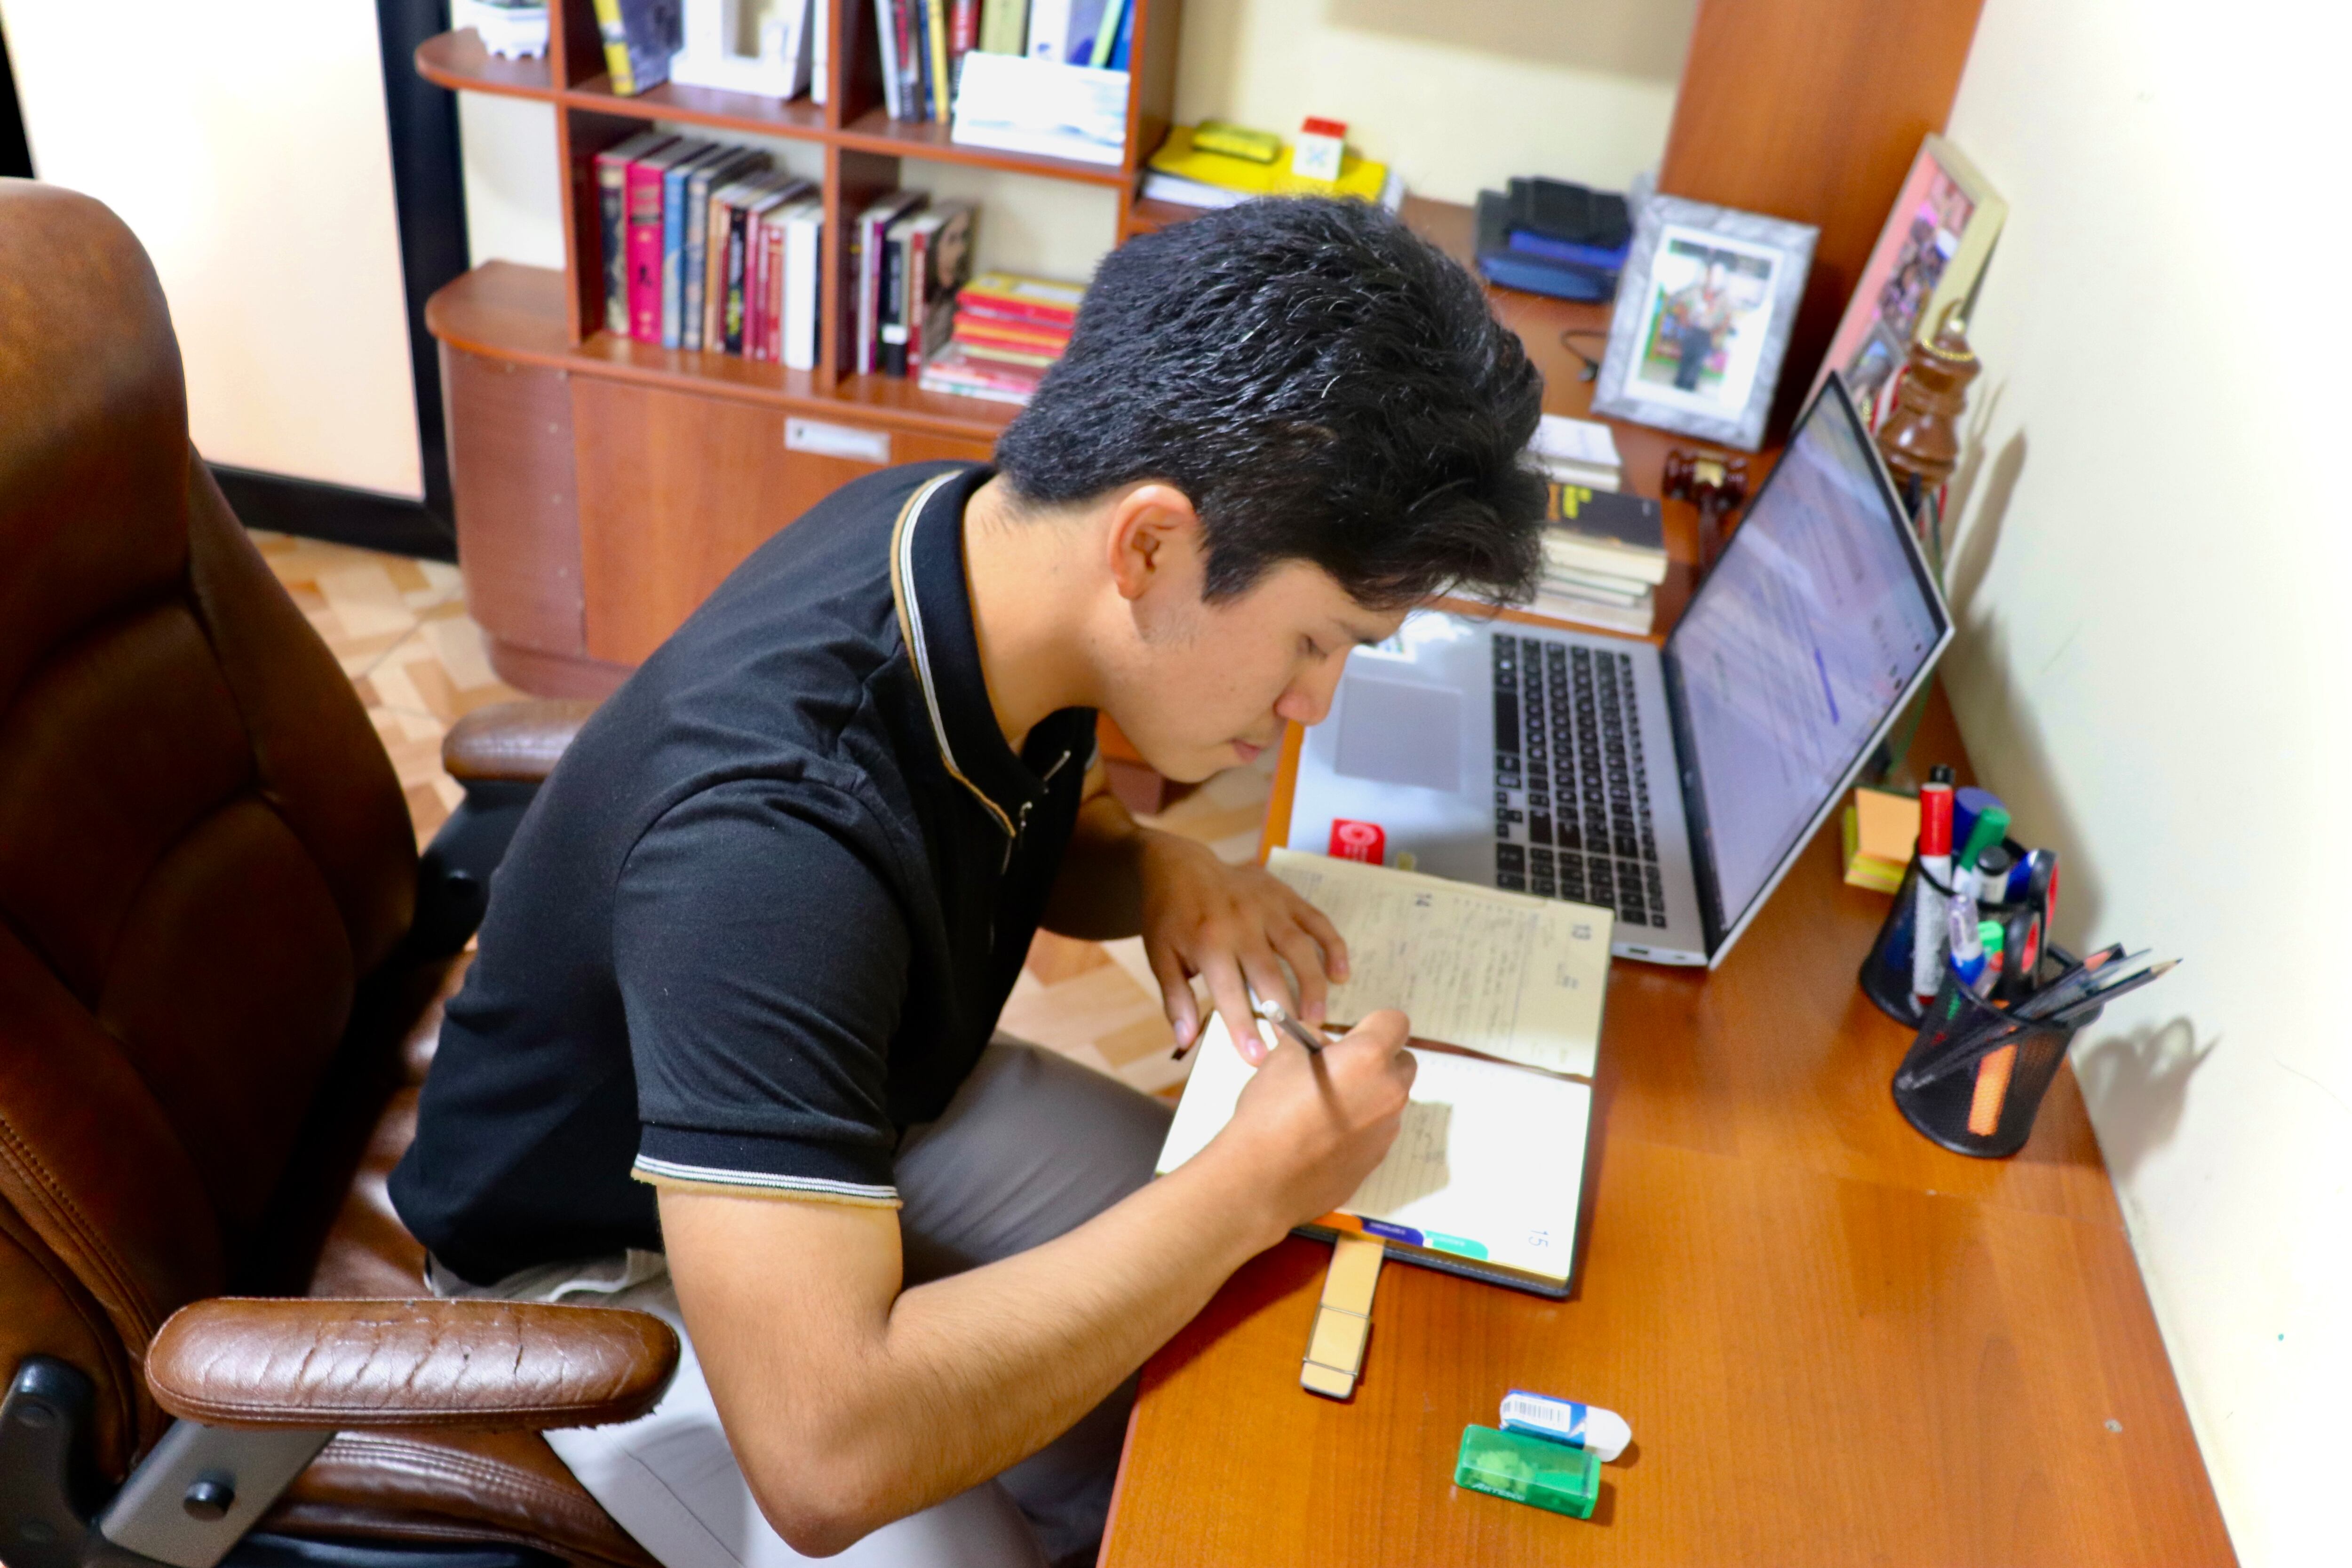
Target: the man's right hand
(1310, 1128)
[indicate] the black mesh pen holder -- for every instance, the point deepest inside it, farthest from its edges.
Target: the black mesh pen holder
(1974, 1078)
(1886, 973)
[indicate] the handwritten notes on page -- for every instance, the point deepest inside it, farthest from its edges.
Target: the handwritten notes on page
(1502, 973)
(1488, 1163)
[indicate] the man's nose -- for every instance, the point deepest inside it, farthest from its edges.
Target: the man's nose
(1307, 702)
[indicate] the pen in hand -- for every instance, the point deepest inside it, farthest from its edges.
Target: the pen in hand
(1277, 1014)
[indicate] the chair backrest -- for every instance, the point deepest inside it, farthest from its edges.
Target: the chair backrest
(202, 847)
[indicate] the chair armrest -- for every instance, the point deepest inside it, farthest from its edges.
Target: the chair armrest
(459, 1365)
(513, 742)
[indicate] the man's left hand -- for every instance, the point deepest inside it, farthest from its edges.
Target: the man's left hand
(1234, 926)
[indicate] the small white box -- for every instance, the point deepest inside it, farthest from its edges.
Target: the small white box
(1321, 144)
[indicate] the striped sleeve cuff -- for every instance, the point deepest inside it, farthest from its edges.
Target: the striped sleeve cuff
(766, 1167)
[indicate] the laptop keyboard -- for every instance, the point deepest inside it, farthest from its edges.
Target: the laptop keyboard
(1571, 788)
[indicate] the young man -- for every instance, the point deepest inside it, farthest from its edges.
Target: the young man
(726, 1051)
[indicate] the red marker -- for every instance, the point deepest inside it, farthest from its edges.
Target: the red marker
(1927, 933)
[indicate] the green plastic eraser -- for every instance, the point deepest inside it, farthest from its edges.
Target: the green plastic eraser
(1529, 1470)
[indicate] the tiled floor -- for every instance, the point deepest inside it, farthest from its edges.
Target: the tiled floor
(399, 629)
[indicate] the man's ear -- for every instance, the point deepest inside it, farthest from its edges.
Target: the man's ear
(1154, 537)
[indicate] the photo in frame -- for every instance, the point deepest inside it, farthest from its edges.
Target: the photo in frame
(1930, 258)
(1704, 308)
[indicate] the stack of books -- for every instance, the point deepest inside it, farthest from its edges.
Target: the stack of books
(1009, 331)
(1549, 236)
(1576, 452)
(1604, 556)
(1193, 176)
(707, 248)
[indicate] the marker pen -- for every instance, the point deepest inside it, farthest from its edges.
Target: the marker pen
(1990, 827)
(1967, 805)
(1928, 940)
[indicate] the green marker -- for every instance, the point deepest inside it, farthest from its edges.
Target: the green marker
(1991, 828)
(1528, 1469)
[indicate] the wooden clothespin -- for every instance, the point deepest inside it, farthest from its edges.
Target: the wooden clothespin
(1335, 1352)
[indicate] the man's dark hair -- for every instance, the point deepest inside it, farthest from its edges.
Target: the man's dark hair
(1323, 384)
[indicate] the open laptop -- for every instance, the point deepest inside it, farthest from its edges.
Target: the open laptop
(1676, 785)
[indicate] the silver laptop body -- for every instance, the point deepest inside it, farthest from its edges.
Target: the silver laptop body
(1676, 785)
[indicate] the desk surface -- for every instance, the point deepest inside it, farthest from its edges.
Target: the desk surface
(1835, 1342)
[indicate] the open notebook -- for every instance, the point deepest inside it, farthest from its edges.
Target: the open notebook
(1488, 1168)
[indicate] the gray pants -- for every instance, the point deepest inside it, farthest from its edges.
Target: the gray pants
(1031, 1145)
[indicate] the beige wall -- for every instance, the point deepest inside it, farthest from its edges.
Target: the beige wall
(245, 144)
(2152, 583)
(1456, 97)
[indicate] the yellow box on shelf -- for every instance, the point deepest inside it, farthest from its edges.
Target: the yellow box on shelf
(1181, 162)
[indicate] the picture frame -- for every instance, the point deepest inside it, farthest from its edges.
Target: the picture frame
(1705, 306)
(1929, 259)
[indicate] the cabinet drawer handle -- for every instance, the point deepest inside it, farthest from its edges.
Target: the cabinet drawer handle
(837, 441)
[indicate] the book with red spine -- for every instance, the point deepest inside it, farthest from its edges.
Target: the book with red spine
(643, 211)
(771, 296)
(952, 369)
(977, 329)
(755, 286)
(1012, 297)
(996, 356)
(613, 209)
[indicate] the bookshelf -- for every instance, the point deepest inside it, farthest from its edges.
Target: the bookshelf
(603, 485)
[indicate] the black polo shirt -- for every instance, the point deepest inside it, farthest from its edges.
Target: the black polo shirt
(764, 915)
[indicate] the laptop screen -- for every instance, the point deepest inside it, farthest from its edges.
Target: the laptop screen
(1796, 650)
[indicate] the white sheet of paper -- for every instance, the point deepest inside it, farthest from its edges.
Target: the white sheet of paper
(1489, 1161)
(1508, 974)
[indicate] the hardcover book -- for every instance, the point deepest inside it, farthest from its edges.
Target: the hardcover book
(674, 208)
(938, 262)
(710, 175)
(1012, 297)
(1606, 531)
(804, 237)
(646, 174)
(612, 211)
(639, 38)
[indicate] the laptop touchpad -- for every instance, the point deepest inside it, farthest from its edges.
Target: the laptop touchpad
(1396, 733)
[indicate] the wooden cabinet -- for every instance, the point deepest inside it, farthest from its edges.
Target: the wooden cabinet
(677, 488)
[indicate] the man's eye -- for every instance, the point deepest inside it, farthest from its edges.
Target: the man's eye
(1313, 648)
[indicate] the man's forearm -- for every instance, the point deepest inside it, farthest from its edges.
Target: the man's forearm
(973, 1373)
(1098, 896)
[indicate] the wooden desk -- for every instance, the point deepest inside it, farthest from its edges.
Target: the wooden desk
(1836, 1343)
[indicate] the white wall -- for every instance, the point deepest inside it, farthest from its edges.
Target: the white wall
(2152, 583)
(1457, 98)
(244, 143)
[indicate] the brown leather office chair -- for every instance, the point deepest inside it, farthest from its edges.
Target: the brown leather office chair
(214, 1013)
